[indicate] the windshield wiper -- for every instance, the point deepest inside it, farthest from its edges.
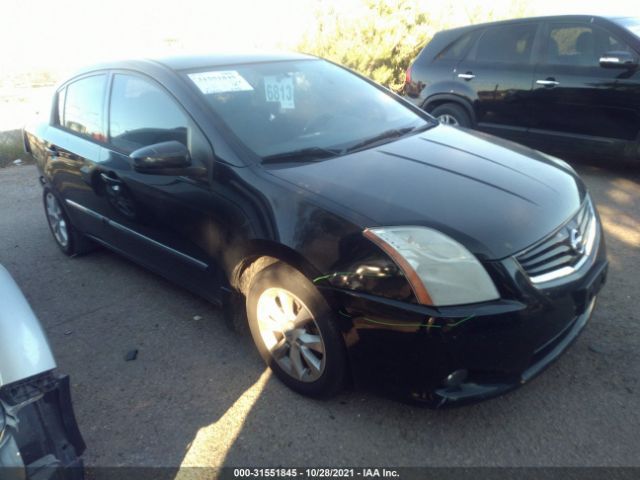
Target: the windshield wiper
(303, 155)
(386, 135)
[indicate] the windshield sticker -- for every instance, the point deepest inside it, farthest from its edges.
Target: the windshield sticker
(279, 89)
(220, 82)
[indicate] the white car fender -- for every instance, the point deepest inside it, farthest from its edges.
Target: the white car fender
(24, 349)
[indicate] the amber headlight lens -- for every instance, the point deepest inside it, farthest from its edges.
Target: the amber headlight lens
(440, 270)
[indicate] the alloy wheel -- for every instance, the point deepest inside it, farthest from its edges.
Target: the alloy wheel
(56, 220)
(448, 119)
(291, 334)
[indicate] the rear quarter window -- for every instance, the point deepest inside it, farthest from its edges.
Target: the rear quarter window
(458, 49)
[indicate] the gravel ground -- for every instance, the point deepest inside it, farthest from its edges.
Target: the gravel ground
(198, 394)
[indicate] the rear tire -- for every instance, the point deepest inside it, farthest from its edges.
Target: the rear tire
(66, 236)
(295, 332)
(452, 114)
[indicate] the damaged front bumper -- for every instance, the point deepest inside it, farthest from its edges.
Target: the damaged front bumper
(39, 436)
(456, 355)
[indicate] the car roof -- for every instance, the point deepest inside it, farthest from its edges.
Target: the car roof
(192, 62)
(195, 62)
(534, 19)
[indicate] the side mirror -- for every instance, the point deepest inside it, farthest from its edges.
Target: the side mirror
(618, 60)
(161, 156)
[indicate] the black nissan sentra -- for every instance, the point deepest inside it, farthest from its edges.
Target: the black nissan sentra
(366, 240)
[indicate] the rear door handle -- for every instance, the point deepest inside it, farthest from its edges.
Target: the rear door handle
(549, 82)
(466, 76)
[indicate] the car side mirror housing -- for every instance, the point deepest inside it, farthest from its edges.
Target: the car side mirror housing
(618, 60)
(159, 157)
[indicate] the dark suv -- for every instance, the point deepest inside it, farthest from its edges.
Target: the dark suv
(567, 84)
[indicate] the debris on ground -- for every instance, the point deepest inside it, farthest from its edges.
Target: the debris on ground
(17, 161)
(597, 348)
(131, 355)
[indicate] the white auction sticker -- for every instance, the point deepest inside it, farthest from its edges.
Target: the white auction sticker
(279, 89)
(220, 82)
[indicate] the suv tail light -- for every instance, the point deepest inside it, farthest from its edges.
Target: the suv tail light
(407, 79)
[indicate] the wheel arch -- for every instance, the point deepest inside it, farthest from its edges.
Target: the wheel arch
(440, 99)
(260, 254)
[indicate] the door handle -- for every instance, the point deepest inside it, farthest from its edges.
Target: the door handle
(113, 183)
(548, 82)
(52, 150)
(466, 76)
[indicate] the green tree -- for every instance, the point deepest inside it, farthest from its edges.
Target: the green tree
(378, 38)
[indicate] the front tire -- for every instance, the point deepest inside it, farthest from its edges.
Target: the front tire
(68, 239)
(295, 332)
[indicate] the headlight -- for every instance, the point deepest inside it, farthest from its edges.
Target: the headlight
(440, 270)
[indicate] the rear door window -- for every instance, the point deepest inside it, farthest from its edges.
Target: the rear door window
(83, 107)
(510, 44)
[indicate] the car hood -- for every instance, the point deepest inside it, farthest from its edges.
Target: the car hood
(493, 196)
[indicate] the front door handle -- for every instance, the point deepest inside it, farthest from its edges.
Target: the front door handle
(466, 76)
(113, 183)
(549, 82)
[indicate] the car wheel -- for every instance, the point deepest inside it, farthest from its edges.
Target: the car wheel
(295, 331)
(70, 241)
(452, 114)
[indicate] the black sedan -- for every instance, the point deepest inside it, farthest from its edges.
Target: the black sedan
(368, 240)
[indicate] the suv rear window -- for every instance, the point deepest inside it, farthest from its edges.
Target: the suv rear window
(83, 107)
(506, 44)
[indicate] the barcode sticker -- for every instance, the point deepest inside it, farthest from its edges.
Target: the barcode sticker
(220, 82)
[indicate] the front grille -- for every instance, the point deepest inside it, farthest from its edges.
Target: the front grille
(562, 251)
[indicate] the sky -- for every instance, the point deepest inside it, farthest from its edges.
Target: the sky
(65, 34)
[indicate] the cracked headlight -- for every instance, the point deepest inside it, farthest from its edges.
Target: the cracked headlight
(440, 270)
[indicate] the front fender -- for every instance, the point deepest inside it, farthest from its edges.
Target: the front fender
(24, 349)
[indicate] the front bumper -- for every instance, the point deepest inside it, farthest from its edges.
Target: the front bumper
(411, 349)
(41, 439)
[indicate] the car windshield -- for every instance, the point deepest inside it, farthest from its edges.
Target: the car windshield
(303, 109)
(632, 24)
